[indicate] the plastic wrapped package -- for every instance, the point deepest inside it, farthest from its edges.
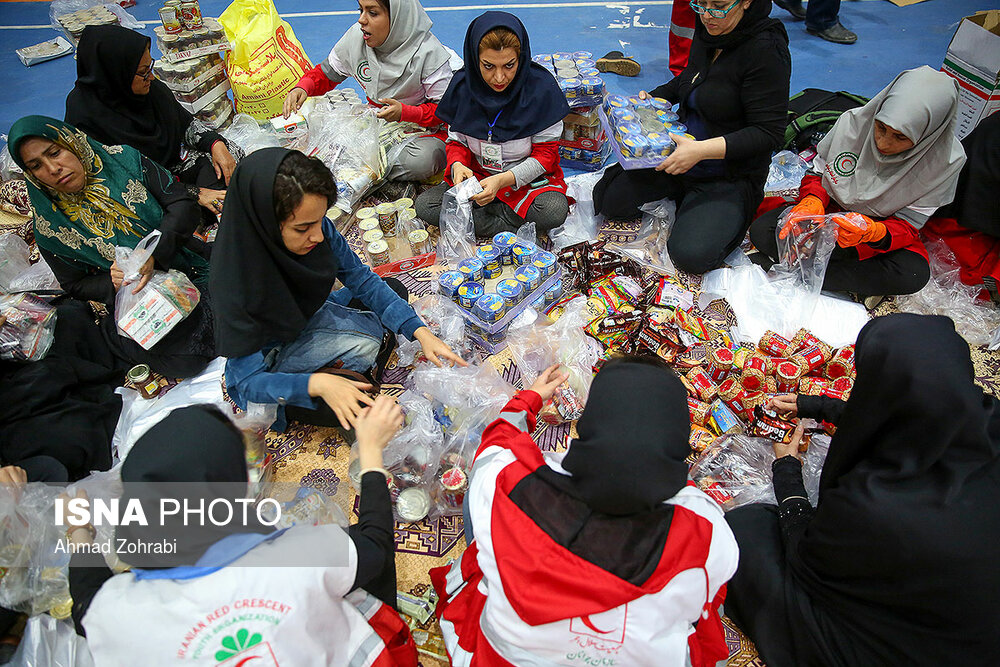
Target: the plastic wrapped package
(736, 470)
(471, 395)
(805, 245)
(444, 318)
(995, 340)
(946, 294)
(812, 464)
(58, 8)
(17, 273)
(29, 329)
(528, 233)
(349, 145)
(650, 245)
(247, 133)
(8, 168)
(458, 235)
(48, 642)
(582, 222)
(785, 175)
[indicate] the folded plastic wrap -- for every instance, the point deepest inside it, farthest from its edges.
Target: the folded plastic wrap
(946, 294)
(736, 470)
(29, 329)
(785, 175)
(458, 235)
(583, 222)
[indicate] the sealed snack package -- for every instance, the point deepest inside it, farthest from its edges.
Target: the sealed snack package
(785, 175)
(160, 306)
(29, 329)
(458, 235)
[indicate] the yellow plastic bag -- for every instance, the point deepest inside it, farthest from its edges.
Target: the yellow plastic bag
(266, 61)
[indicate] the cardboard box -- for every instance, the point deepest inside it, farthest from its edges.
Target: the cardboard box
(206, 99)
(973, 59)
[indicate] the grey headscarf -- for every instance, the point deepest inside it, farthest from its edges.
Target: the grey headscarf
(922, 104)
(396, 68)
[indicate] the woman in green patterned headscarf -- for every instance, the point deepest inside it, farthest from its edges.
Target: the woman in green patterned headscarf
(89, 198)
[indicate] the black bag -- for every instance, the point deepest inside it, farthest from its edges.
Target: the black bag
(811, 114)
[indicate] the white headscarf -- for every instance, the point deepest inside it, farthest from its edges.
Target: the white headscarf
(921, 103)
(396, 68)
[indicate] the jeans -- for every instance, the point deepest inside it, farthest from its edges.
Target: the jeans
(822, 14)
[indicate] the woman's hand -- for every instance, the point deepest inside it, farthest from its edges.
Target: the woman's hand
(375, 427)
(491, 186)
(13, 477)
(786, 405)
(77, 534)
(345, 397)
(223, 161)
(687, 154)
(294, 100)
(145, 273)
(459, 173)
(436, 349)
(212, 199)
(782, 450)
(644, 95)
(392, 111)
(545, 385)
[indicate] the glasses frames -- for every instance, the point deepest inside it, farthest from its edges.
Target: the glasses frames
(714, 13)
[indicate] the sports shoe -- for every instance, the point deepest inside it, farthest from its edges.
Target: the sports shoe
(793, 7)
(836, 33)
(617, 63)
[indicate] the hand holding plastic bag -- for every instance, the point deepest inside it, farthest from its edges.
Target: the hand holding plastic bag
(805, 245)
(444, 318)
(736, 470)
(458, 234)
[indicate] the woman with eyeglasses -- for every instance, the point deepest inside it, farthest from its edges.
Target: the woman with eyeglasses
(733, 98)
(117, 100)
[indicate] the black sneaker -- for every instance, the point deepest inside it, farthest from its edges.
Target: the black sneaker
(617, 63)
(793, 7)
(836, 33)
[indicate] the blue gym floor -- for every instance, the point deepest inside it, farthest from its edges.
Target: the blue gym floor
(890, 39)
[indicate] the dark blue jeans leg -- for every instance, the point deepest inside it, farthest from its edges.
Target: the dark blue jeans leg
(822, 14)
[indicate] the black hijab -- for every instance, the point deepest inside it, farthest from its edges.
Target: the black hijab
(905, 541)
(194, 453)
(976, 204)
(261, 292)
(103, 105)
(531, 103)
(756, 19)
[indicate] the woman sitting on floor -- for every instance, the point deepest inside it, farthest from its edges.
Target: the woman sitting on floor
(888, 166)
(604, 555)
(897, 563)
(733, 97)
(505, 116)
(306, 595)
(291, 340)
(401, 66)
(89, 198)
(117, 100)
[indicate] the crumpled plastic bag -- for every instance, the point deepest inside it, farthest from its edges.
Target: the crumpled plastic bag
(583, 222)
(48, 642)
(470, 395)
(785, 175)
(946, 294)
(735, 470)
(444, 318)
(348, 144)
(29, 330)
(17, 273)
(650, 245)
(458, 233)
(36, 577)
(247, 133)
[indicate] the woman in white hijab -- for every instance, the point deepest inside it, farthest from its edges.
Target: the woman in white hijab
(887, 166)
(402, 68)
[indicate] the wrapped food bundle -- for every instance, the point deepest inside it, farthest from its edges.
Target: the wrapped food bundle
(29, 329)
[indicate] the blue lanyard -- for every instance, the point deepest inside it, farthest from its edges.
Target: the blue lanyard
(489, 136)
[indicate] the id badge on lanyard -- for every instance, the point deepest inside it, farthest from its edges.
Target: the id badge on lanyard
(492, 153)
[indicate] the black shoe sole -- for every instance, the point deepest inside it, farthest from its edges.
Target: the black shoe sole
(620, 66)
(819, 33)
(799, 13)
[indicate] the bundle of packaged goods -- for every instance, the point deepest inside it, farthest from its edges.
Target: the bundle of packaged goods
(728, 384)
(499, 283)
(74, 22)
(395, 240)
(583, 144)
(40, 53)
(192, 65)
(640, 129)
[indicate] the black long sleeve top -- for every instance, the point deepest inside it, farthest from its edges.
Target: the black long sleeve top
(372, 536)
(181, 216)
(742, 97)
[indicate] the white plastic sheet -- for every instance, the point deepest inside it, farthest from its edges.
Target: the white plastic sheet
(582, 222)
(51, 643)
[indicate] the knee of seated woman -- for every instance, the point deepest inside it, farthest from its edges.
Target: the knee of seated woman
(696, 260)
(548, 211)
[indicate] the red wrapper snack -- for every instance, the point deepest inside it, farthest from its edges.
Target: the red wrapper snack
(699, 410)
(753, 380)
(775, 345)
(622, 322)
(813, 386)
(688, 386)
(767, 424)
(787, 376)
(703, 384)
(734, 395)
(771, 364)
(770, 385)
(752, 401)
(720, 363)
(659, 339)
(700, 438)
(693, 324)
(842, 363)
(810, 359)
(711, 486)
(843, 384)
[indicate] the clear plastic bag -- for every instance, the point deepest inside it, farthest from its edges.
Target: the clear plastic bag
(29, 329)
(444, 318)
(946, 294)
(48, 642)
(805, 249)
(650, 245)
(349, 145)
(785, 175)
(736, 470)
(247, 133)
(995, 340)
(583, 222)
(458, 235)
(470, 395)
(528, 233)
(17, 273)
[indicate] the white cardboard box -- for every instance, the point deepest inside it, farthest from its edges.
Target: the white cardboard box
(973, 59)
(206, 99)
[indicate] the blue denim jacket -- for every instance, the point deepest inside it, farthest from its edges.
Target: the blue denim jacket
(248, 378)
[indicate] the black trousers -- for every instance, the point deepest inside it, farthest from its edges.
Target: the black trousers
(712, 216)
(896, 272)
(547, 211)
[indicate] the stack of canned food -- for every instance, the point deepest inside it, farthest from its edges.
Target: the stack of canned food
(584, 144)
(524, 276)
(393, 223)
(641, 128)
(74, 22)
(207, 35)
(577, 75)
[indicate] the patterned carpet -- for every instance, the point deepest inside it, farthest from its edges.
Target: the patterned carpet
(318, 458)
